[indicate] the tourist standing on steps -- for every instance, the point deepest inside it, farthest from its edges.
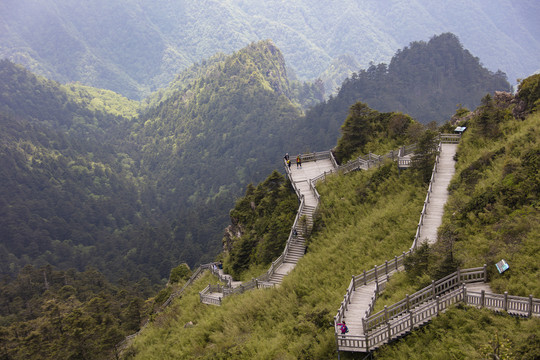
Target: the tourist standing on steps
(298, 161)
(344, 329)
(289, 163)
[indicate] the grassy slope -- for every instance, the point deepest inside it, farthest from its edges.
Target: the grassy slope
(508, 227)
(367, 218)
(486, 235)
(295, 320)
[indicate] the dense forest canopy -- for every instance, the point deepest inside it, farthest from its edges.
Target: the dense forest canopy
(426, 80)
(93, 182)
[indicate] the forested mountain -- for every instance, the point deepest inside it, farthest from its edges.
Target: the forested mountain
(136, 47)
(69, 196)
(368, 217)
(88, 181)
(427, 80)
(92, 181)
(92, 178)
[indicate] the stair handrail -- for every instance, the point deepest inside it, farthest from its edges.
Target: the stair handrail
(428, 197)
(122, 344)
(395, 327)
(373, 274)
(191, 279)
(436, 288)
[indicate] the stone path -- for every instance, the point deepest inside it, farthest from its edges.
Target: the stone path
(361, 298)
(439, 195)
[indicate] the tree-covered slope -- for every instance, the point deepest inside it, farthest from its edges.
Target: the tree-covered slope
(261, 221)
(369, 217)
(426, 80)
(137, 47)
(68, 197)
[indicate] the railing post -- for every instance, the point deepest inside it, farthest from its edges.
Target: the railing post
(376, 276)
(408, 303)
(485, 273)
(395, 259)
(458, 276)
(411, 320)
(386, 267)
(529, 314)
(365, 279)
(353, 284)
(389, 331)
(437, 299)
(367, 342)
(364, 326)
(505, 301)
(464, 294)
(385, 313)
(482, 298)
(433, 294)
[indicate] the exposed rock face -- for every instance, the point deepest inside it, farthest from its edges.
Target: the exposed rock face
(232, 233)
(503, 98)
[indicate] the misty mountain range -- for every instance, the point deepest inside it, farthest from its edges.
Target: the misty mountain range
(136, 47)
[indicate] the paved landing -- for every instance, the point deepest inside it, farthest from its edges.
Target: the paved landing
(360, 300)
(309, 170)
(478, 287)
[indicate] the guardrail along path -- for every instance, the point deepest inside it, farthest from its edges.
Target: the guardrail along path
(314, 165)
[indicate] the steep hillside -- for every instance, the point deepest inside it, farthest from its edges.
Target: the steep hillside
(354, 232)
(211, 135)
(87, 176)
(368, 217)
(137, 47)
(426, 80)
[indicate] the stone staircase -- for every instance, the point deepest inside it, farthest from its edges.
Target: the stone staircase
(314, 165)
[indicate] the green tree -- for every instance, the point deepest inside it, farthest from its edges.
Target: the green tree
(180, 273)
(529, 91)
(424, 154)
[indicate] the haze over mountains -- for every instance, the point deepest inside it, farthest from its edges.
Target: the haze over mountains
(136, 47)
(101, 196)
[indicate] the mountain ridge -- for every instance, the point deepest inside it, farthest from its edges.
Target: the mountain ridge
(140, 48)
